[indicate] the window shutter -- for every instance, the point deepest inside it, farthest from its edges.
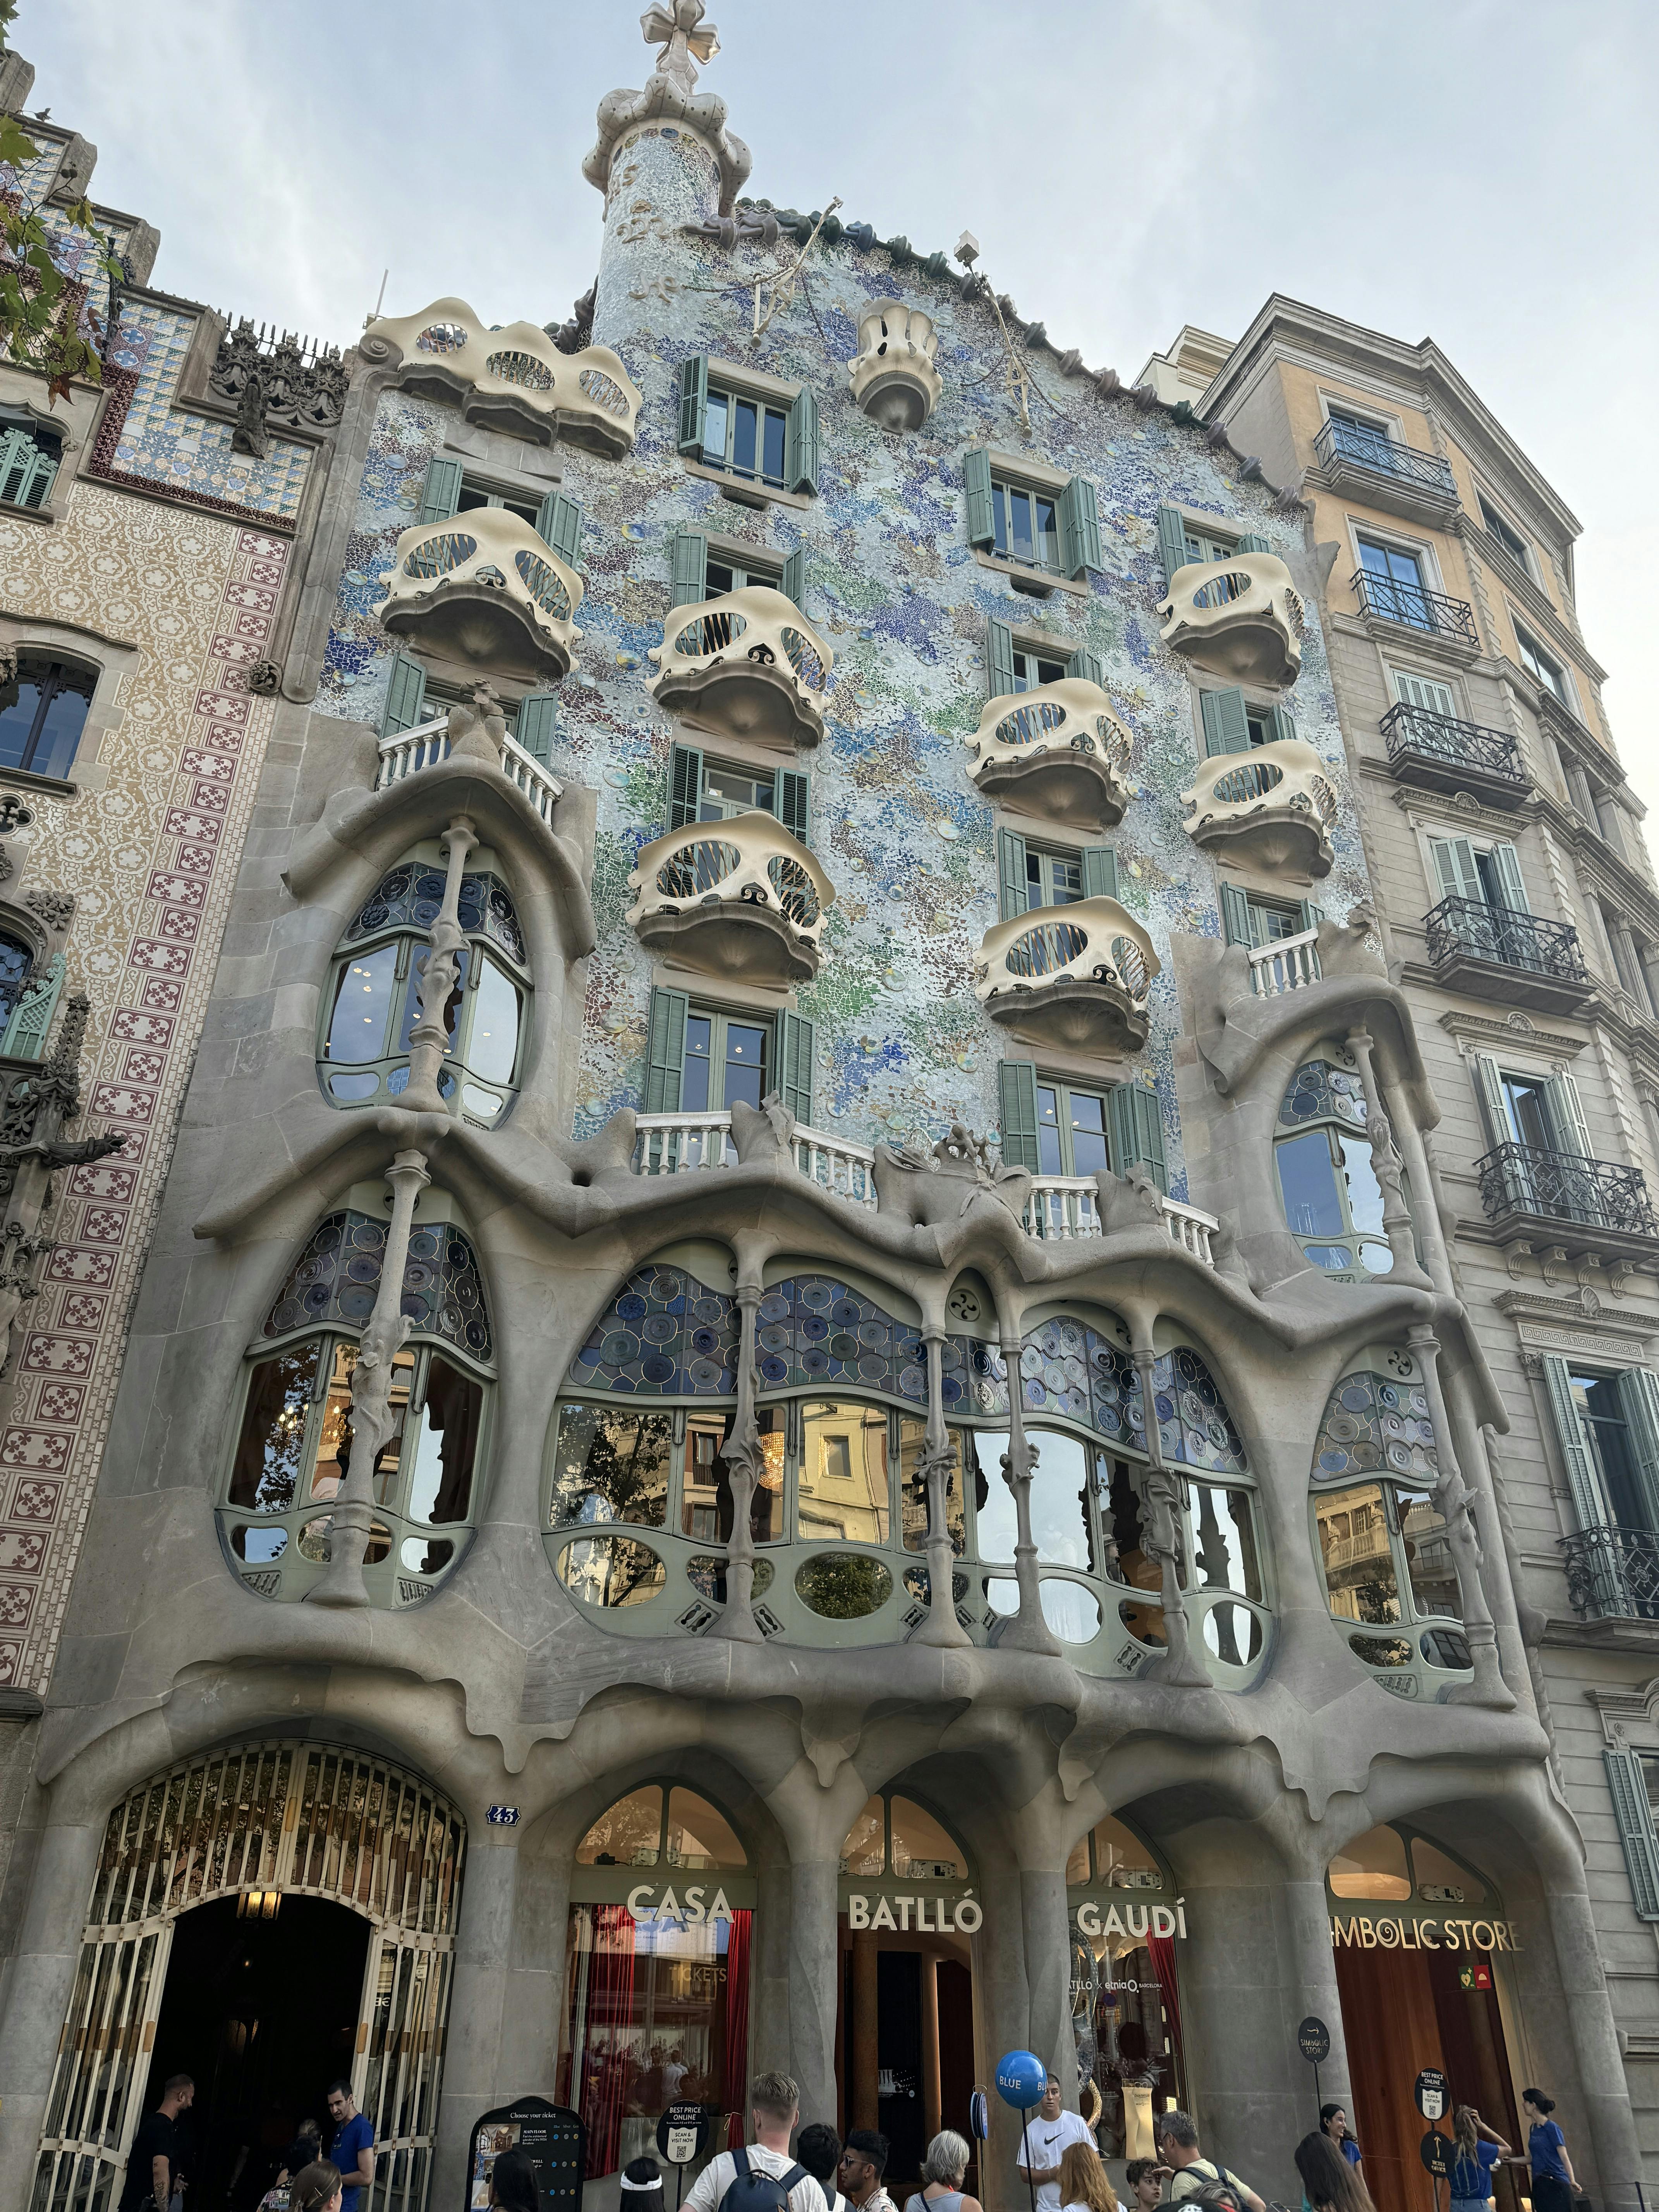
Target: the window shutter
(794, 578)
(1628, 1788)
(665, 1058)
(694, 402)
(1017, 1083)
(538, 720)
(1252, 543)
(1010, 872)
(1137, 1121)
(794, 802)
(26, 1031)
(1422, 691)
(685, 786)
(801, 444)
(795, 1050)
(1226, 726)
(1281, 725)
(1171, 541)
(1507, 861)
(1087, 666)
(999, 658)
(1582, 1478)
(688, 566)
(405, 696)
(1638, 1393)
(560, 525)
(976, 483)
(1235, 915)
(1079, 527)
(1454, 863)
(440, 495)
(1099, 872)
(1312, 915)
(1566, 1116)
(1489, 1091)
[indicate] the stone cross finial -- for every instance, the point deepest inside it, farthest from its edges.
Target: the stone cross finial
(685, 39)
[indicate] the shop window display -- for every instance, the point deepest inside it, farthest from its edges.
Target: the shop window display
(1126, 2003)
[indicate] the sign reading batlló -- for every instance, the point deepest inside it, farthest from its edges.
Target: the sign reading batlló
(933, 1916)
(1408, 1935)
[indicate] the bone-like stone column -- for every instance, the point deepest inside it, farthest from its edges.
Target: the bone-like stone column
(1385, 1166)
(438, 974)
(1162, 1539)
(814, 1981)
(744, 1460)
(941, 1626)
(372, 1419)
(1455, 1498)
(1028, 1631)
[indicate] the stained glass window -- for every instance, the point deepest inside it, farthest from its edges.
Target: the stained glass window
(1318, 1091)
(1374, 1425)
(410, 896)
(335, 1279)
(811, 1329)
(665, 1333)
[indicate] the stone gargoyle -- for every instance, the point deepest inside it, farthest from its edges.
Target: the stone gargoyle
(937, 1188)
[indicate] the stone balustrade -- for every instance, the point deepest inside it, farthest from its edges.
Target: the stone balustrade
(405, 752)
(1240, 617)
(740, 899)
(1057, 751)
(892, 376)
(1075, 977)
(484, 589)
(1270, 809)
(1289, 964)
(749, 663)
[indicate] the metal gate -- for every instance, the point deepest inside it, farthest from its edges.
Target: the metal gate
(287, 1817)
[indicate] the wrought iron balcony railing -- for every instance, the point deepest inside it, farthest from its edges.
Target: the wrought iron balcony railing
(1452, 743)
(1387, 599)
(1613, 1573)
(1372, 449)
(1565, 1187)
(1469, 929)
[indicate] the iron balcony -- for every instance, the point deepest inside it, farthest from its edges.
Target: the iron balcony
(1345, 445)
(1385, 599)
(1504, 954)
(1613, 1573)
(1444, 754)
(1598, 1195)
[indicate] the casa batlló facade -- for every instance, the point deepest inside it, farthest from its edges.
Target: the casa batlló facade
(729, 1456)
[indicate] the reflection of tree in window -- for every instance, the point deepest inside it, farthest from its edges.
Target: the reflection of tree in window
(629, 1835)
(610, 1466)
(1353, 1540)
(266, 1473)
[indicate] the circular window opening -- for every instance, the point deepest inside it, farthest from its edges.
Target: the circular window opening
(841, 1586)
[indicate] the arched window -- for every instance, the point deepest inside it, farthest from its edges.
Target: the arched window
(16, 963)
(293, 1445)
(1389, 1574)
(1332, 1200)
(893, 1835)
(1127, 1926)
(43, 711)
(372, 999)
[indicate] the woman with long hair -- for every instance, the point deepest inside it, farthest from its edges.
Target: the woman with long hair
(1478, 2151)
(1083, 2186)
(1329, 2184)
(315, 2188)
(512, 2181)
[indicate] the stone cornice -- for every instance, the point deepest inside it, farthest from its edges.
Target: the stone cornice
(1585, 1323)
(1461, 808)
(1517, 1028)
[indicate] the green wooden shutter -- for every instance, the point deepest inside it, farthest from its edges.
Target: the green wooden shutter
(694, 402)
(1235, 915)
(405, 696)
(1137, 1129)
(1566, 1116)
(1454, 863)
(685, 786)
(1507, 861)
(794, 578)
(796, 1046)
(1099, 872)
(1627, 1785)
(801, 444)
(976, 484)
(1281, 725)
(1250, 542)
(1017, 1084)
(560, 524)
(1582, 1478)
(687, 565)
(1079, 527)
(1312, 915)
(794, 801)
(1086, 666)
(1171, 540)
(1638, 1393)
(538, 718)
(26, 470)
(1226, 725)
(26, 1033)
(1489, 1091)
(665, 1060)
(999, 658)
(440, 495)
(1010, 874)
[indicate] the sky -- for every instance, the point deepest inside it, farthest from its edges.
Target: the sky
(1480, 172)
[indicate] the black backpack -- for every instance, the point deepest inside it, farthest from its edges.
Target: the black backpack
(753, 2191)
(1217, 2196)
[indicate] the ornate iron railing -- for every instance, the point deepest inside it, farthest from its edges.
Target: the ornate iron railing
(1469, 929)
(1565, 1187)
(1390, 600)
(1613, 1573)
(1374, 449)
(1455, 744)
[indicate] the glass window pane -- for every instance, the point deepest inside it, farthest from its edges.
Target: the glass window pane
(1358, 1554)
(266, 1470)
(1076, 1866)
(913, 1491)
(19, 716)
(446, 1446)
(994, 1502)
(772, 460)
(1372, 1865)
(1433, 1869)
(706, 1503)
(68, 694)
(629, 1834)
(842, 1489)
(333, 1448)
(921, 1850)
(1050, 1158)
(1600, 1408)
(1122, 1861)
(1047, 534)
(745, 1064)
(717, 428)
(1089, 1148)
(493, 1047)
(1050, 672)
(1060, 1495)
(1365, 1192)
(610, 1465)
(1307, 1180)
(413, 1010)
(1527, 1112)
(1224, 1540)
(999, 513)
(862, 1850)
(718, 579)
(694, 1078)
(1071, 1611)
(744, 436)
(698, 1836)
(362, 1005)
(1430, 1568)
(1022, 545)
(1126, 1559)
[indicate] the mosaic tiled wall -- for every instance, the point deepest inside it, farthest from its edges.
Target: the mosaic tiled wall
(151, 855)
(894, 587)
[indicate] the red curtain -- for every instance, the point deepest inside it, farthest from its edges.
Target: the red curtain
(736, 2016)
(607, 2059)
(1164, 1960)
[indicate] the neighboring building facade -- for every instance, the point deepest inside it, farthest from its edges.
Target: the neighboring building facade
(633, 1544)
(1520, 917)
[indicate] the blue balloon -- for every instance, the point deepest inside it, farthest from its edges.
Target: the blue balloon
(1021, 2077)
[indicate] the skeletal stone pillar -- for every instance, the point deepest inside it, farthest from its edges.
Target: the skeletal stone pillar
(1161, 1539)
(438, 974)
(1385, 1166)
(744, 1463)
(938, 1457)
(1027, 1630)
(1455, 1498)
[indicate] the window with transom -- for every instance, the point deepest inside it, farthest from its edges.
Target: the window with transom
(43, 704)
(1332, 1200)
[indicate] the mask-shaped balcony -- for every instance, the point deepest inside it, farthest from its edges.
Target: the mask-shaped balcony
(1271, 809)
(1057, 751)
(514, 380)
(740, 899)
(1072, 976)
(1240, 617)
(748, 665)
(892, 375)
(484, 589)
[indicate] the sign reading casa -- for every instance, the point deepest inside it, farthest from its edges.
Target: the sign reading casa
(1400, 1935)
(691, 1910)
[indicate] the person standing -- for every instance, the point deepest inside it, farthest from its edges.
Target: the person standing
(1334, 2122)
(1144, 2183)
(316, 2188)
(353, 2146)
(1083, 2184)
(943, 2171)
(153, 2174)
(1189, 2169)
(863, 2162)
(1553, 2182)
(818, 2149)
(774, 2108)
(1479, 2149)
(1046, 2139)
(1330, 2182)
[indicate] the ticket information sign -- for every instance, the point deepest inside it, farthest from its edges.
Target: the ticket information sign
(551, 2137)
(682, 2132)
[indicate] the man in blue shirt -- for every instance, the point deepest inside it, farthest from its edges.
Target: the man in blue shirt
(353, 2148)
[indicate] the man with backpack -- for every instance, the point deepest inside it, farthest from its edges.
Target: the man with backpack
(1195, 2180)
(760, 2176)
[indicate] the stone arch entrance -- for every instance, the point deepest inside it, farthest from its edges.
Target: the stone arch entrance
(262, 1823)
